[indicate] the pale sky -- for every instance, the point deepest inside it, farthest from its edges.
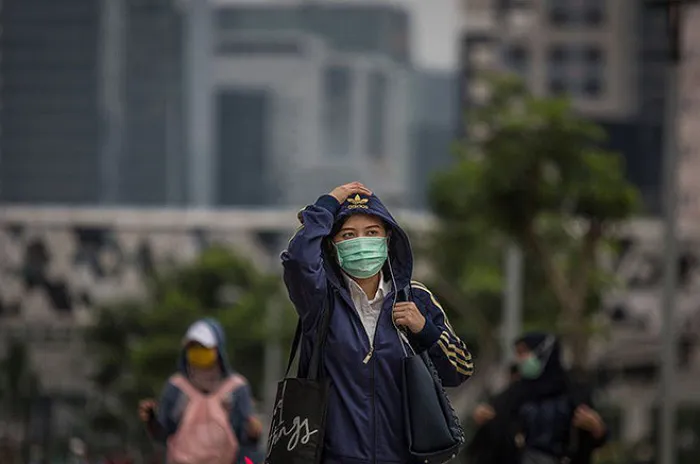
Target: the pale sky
(435, 26)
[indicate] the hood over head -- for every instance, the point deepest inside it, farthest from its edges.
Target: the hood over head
(553, 381)
(547, 348)
(400, 253)
(209, 333)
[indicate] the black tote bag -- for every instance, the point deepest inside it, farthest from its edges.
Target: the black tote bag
(433, 430)
(299, 416)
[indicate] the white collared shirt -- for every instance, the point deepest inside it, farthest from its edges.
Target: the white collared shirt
(367, 309)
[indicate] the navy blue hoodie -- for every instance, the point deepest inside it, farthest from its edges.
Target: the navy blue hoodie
(365, 419)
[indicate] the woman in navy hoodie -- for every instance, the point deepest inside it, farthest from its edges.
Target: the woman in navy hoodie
(351, 256)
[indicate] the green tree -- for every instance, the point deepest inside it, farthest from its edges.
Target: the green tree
(111, 420)
(19, 389)
(136, 344)
(534, 173)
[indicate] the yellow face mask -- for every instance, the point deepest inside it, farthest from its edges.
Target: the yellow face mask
(201, 357)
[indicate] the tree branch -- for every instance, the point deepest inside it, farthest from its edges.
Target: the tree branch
(570, 294)
(456, 301)
(588, 262)
(555, 277)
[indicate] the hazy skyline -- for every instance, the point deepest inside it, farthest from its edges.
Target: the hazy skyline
(434, 27)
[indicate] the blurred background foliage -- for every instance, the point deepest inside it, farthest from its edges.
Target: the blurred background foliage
(136, 344)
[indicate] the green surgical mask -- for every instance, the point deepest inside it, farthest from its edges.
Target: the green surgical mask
(362, 257)
(530, 367)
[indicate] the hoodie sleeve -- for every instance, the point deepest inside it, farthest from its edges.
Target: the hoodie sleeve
(449, 354)
(241, 412)
(165, 422)
(587, 443)
(304, 275)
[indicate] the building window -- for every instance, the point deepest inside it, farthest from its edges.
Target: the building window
(337, 114)
(593, 70)
(517, 59)
(576, 70)
(588, 13)
(559, 61)
(240, 47)
(377, 112)
(557, 87)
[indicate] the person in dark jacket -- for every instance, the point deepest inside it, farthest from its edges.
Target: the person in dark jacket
(496, 439)
(555, 417)
(352, 257)
(250, 446)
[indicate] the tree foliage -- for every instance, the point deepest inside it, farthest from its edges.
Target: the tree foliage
(19, 382)
(19, 388)
(136, 344)
(536, 175)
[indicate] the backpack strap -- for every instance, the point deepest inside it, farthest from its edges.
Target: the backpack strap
(185, 386)
(230, 385)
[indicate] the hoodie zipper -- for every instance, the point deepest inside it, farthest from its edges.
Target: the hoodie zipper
(370, 342)
(368, 358)
(373, 342)
(369, 355)
(374, 416)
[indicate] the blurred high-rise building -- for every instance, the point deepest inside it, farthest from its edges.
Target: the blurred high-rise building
(98, 103)
(91, 101)
(143, 152)
(607, 56)
(689, 118)
(327, 91)
(434, 116)
(49, 92)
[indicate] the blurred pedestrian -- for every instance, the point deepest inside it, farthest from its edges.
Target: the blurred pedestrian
(351, 256)
(250, 444)
(496, 438)
(554, 418)
(205, 408)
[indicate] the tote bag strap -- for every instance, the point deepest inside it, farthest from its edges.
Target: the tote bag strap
(295, 347)
(405, 294)
(315, 366)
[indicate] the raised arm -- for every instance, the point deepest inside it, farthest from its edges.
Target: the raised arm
(160, 424)
(304, 274)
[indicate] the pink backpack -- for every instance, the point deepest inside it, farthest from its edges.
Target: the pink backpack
(204, 435)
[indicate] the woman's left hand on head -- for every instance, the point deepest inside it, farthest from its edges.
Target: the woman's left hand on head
(407, 314)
